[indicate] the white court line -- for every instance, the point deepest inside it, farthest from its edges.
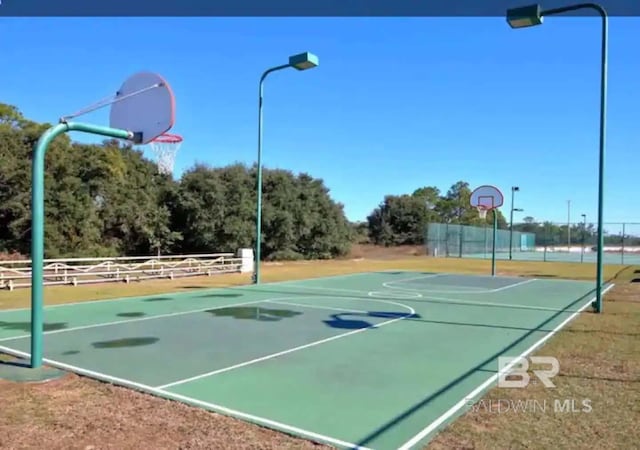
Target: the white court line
(506, 305)
(427, 297)
(294, 349)
(192, 401)
(471, 395)
(185, 293)
(139, 319)
(352, 291)
(330, 308)
(476, 291)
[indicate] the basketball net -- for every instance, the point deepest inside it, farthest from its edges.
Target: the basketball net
(165, 148)
(482, 211)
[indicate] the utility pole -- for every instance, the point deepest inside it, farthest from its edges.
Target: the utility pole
(569, 225)
(584, 231)
(514, 189)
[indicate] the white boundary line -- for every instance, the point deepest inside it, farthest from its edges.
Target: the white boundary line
(294, 349)
(192, 401)
(427, 297)
(139, 319)
(177, 313)
(470, 291)
(329, 308)
(477, 391)
(454, 301)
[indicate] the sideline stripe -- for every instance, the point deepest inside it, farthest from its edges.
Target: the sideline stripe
(470, 290)
(192, 401)
(328, 308)
(291, 350)
(477, 391)
(139, 319)
(425, 298)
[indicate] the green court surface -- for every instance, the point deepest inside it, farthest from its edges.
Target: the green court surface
(373, 360)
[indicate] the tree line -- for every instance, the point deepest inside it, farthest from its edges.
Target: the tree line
(107, 199)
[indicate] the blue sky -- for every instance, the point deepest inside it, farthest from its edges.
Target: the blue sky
(396, 103)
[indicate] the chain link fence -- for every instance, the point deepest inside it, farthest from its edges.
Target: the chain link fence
(545, 241)
(456, 240)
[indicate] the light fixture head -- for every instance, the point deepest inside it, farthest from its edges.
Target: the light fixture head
(303, 61)
(525, 16)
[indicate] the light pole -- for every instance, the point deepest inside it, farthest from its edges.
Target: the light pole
(302, 61)
(532, 15)
(514, 189)
(511, 229)
(584, 230)
(569, 226)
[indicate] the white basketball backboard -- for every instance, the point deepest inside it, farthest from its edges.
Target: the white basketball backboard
(487, 197)
(145, 105)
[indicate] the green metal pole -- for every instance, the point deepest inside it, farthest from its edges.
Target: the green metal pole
(622, 254)
(603, 106)
(493, 248)
(511, 226)
(256, 267)
(597, 304)
(584, 231)
(37, 224)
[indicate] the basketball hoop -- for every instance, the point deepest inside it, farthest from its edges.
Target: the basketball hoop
(485, 198)
(165, 148)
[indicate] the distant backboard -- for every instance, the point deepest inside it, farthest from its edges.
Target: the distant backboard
(487, 197)
(145, 105)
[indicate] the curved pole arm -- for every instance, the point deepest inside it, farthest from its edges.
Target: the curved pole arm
(37, 222)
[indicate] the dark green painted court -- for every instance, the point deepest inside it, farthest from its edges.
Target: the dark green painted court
(373, 360)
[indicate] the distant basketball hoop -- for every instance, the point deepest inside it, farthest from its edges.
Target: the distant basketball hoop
(165, 147)
(485, 198)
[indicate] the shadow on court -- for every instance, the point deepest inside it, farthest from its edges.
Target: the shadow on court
(26, 326)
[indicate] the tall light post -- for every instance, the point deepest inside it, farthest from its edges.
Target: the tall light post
(584, 231)
(514, 189)
(569, 226)
(302, 61)
(532, 15)
(511, 229)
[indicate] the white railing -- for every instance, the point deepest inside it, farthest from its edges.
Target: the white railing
(75, 271)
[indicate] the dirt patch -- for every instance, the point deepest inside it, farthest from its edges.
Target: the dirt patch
(369, 251)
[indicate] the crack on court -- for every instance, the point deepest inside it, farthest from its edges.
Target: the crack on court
(159, 299)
